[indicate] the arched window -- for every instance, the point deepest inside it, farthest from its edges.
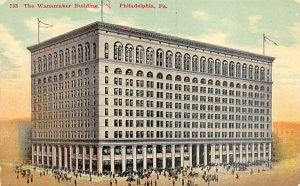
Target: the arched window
(218, 83)
(169, 77)
(67, 55)
(106, 51)
(187, 62)
(250, 87)
(210, 67)
(203, 81)
(178, 78)
(244, 86)
(86, 71)
(225, 84)
(129, 72)
(45, 63)
(195, 80)
(55, 78)
(149, 56)
(169, 56)
(178, 60)
(67, 75)
(159, 76)
(129, 53)
(231, 69)
(159, 57)
(73, 57)
(202, 64)
(250, 72)
(49, 79)
(80, 53)
(39, 81)
(61, 58)
(50, 62)
(55, 60)
(186, 79)
(238, 85)
(224, 68)
(87, 53)
(262, 74)
(256, 87)
(73, 73)
(195, 63)
(79, 72)
(231, 84)
(210, 82)
(262, 88)
(244, 71)
(61, 77)
(238, 70)
(256, 73)
(218, 67)
(118, 51)
(95, 50)
(118, 71)
(139, 54)
(150, 75)
(140, 73)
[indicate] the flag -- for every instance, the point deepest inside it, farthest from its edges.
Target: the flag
(266, 39)
(44, 25)
(107, 3)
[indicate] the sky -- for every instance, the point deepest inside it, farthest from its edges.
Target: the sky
(237, 24)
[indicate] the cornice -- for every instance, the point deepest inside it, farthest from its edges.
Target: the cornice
(151, 35)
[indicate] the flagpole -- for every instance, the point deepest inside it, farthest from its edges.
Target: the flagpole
(263, 44)
(38, 30)
(102, 11)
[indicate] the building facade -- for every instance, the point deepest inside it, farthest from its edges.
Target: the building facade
(112, 98)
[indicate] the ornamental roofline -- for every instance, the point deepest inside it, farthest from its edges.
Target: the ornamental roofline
(151, 35)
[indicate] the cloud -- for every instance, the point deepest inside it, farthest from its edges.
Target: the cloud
(2, 2)
(297, 1)
(201, 15)
(228, 23)
(253, 20)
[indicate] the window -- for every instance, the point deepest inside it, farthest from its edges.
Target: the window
(224, 68)
(195, 63)
(149, 56)
(169, 56)
(210, 65)
(118, 51)
(73, 57)
(256, 73)
(80, 53)
(159, 57)
(106, 51)
(231, 69)
(118, 71)
(129, 53)
(238, 70)
(202, 64)
(262, 74)
(139, 54)
(87, 53)
(187, 62)
(61, 58)
(244, 71)
(95, 50)
(250, 72)
(178, 58)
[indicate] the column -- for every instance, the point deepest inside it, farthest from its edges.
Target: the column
(154, 156)
(198, 154)
(123, 152)
(54, 156)
(205, 154)
(258, 151)
(48, 154)
(99, 159)
(191, 155)
(83, 157)
(112, 159)
(173, 156)
(91, 158)
(43, 152)
(212, 153)
(247, 152)
(253, 152)
(37, 154)
(70, 158)
(59, 157)
(164, 156)
(270, 151)
(241, 153)
(182, 155)
(134, 157)
(145, 156)
(227, 153)
(76, 157)
(32, 154)
(66, 157)
(234, 153)
(264, 151)
(221, 153)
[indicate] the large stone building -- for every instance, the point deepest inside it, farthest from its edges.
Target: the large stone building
(112, 98)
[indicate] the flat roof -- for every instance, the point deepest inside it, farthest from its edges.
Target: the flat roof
(146, 34)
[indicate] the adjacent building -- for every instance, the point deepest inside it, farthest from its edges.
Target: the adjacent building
(107, 97)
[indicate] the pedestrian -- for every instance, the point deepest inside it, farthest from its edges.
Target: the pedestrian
(173, 182)
(75, 181)
(31, 178)
(237, 176)
(27, 179)
(155, 183)
(116, 182)
(110, 183)
(17, 176)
